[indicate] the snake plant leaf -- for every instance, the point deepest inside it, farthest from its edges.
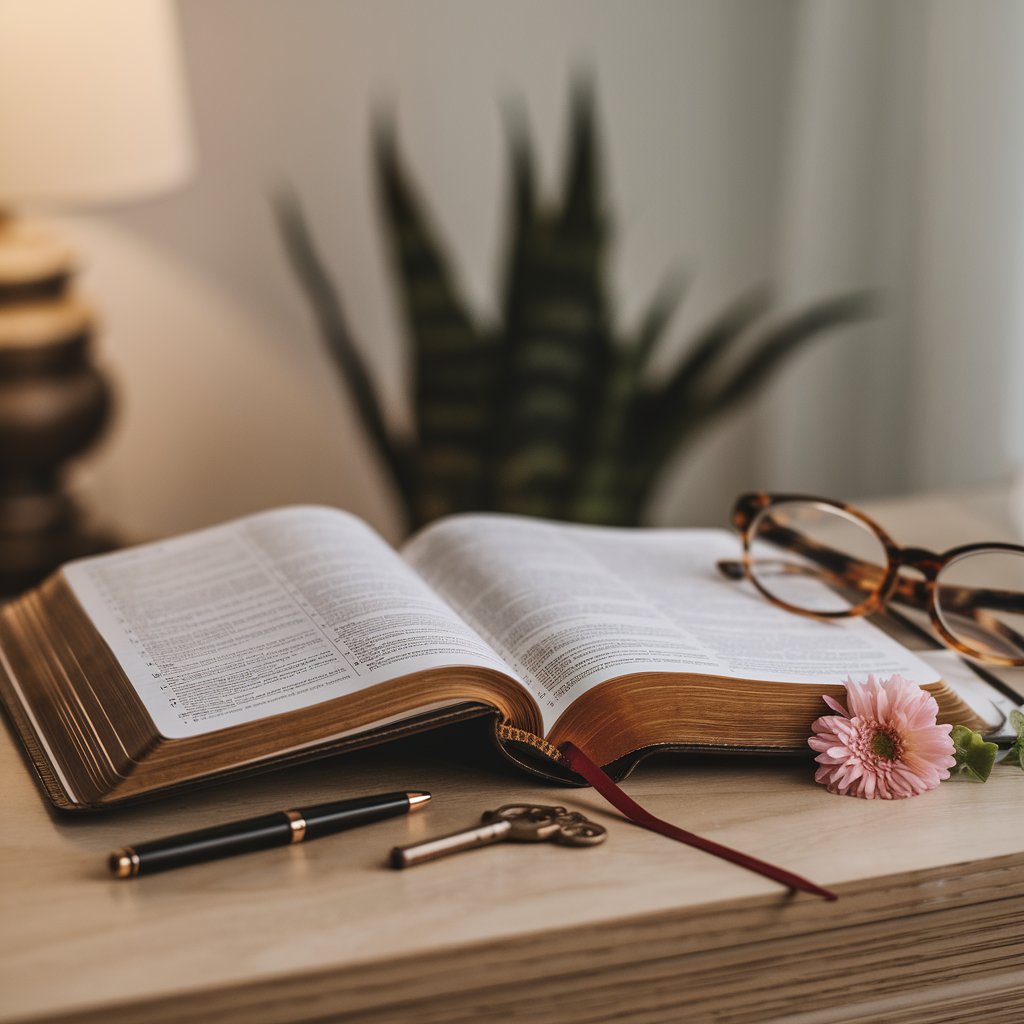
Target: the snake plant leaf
(652, 327)
(974, 756)
(783, 340)
(713, 342)
(664, 418)
(603, 494)
(661, 416)
(523, 232)
(313, 277)
(582, 205)
(453, 361)
(545, 413)
(523, 177)
(556, 345)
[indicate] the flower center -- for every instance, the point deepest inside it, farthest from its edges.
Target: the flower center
(885, 746)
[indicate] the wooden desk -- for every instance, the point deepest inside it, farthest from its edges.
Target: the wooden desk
(929, 926)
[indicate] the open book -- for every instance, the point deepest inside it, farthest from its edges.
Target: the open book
(299, 631)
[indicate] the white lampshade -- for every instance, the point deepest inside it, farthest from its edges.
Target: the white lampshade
(92, 102)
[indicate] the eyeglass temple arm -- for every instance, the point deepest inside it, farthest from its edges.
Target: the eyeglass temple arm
(867, 577)
(974, 603)
(989, 624)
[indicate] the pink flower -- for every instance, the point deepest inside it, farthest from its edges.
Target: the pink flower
(887, 746)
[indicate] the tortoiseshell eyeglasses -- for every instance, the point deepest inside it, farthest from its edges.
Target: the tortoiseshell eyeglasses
(826, 559)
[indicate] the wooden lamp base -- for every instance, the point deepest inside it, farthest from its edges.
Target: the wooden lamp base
(53, 405)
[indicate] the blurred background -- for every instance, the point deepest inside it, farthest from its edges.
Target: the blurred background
(824, 146)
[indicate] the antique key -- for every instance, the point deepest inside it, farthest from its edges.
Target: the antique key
(520, 823)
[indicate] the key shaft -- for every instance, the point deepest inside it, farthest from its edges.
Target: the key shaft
(454, 842)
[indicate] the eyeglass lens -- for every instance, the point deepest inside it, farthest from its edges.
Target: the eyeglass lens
(815, 557)
(980, 601)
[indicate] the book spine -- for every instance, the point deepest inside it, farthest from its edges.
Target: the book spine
(510, 733)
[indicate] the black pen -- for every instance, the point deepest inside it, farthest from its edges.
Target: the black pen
(280, 828)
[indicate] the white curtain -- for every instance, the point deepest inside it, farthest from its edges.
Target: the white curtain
(906, 170)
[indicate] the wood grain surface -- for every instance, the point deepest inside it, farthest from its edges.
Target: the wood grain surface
(929, 926)
(932, 892)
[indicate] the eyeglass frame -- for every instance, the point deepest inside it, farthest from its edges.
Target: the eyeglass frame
(920, 594)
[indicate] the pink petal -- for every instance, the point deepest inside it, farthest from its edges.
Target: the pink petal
(835, 705)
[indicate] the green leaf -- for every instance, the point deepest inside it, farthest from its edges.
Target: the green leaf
(661, 416)
(713, 342)
(453, 361)
(312, 275)
(1015, 755)
(660, 311)
(974, 756)
(786, 338)
(556, 348)
(582, 206)
(604, 491)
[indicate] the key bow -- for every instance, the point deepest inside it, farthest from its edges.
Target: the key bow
(539, 822)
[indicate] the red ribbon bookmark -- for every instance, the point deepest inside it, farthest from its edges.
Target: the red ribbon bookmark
(582, 765)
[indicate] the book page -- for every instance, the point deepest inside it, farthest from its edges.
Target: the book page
(267, 614)
(572, 606)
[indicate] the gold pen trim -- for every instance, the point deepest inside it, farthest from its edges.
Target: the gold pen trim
(298, 825)
(124, 863)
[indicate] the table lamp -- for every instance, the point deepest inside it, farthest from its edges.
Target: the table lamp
(92, 112)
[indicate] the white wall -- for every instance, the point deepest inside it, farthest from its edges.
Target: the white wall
(906, 167)
(227, 401)
(968, 346)
(718, 124)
